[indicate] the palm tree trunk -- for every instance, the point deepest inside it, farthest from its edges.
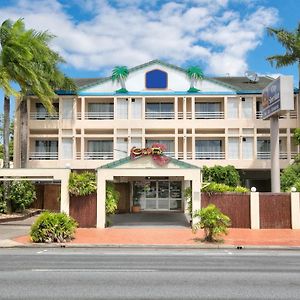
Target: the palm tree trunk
(6, 122)
(122, 81)
(6, 163)
(24, 131)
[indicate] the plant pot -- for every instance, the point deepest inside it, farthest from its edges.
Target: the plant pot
(136, 208)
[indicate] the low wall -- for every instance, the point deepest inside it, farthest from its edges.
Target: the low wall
(84, 210)
(47, 197)
(258, 210)
(236, 206)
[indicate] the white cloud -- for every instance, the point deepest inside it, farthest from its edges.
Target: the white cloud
(130, 32)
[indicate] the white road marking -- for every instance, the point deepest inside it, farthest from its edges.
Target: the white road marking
(95, 270)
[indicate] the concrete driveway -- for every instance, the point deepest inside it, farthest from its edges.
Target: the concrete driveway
(156, 219)
(13, 229)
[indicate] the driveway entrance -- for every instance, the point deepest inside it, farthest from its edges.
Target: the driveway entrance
(150, 219)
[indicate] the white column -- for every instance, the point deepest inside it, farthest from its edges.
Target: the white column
(196, 192)
(64, 196)
(193, 107)
(193, 143)
(129, 108)
(186, 184)
(101, 195)
(143, 108)
(295, 210)
(176, 108)
(275, 166)
(82, 108)
(184, 108)
(176, 143)
(225, 107)
(254, 210)
(288, 144)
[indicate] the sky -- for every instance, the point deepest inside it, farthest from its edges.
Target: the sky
(223, 37)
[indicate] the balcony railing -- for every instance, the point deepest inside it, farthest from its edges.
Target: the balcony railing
(43, 155)
(44, 116)
(159, 115)
(210, 155)
(209, 115)
(189, 155)
(96, 116)
(267, 155)
(98, 155)
(170, 154)
(293, 115)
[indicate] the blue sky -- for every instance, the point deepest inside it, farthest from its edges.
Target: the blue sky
(221, 36)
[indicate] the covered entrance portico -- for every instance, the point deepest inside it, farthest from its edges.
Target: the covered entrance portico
(157, 188)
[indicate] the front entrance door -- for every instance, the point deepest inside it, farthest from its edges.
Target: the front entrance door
(162, 195)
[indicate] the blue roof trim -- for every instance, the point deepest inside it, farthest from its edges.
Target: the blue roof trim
(155, 93)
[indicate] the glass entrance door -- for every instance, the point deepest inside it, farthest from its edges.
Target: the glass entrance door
(162, 195)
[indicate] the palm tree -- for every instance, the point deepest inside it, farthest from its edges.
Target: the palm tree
(120, 74)
(291, 42)
(28, 61)
(194, 73)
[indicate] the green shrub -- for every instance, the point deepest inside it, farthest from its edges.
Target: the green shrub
(213, 221)
(82, 184)
(53, 227)
(3, 208)
(112, 199)
(227, 175)
(289, 176)
(21, 195)
(214, 187)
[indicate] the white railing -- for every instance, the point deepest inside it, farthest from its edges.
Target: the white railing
(171, 154)
(98, 155)
(180, 115)
(267, 155)
(43, 155)
(210, 155)
(188, 115)
(259, 115)
(159, 115)
(293, 114)
(44, 116)
(189, 155)
(209, 115)
(99, 115)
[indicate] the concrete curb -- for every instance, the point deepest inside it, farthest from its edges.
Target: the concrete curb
(21, 218)
(14, 244)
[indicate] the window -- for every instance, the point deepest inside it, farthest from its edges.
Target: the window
(169, 144)
(100, 146)
(233, 148)
(156, 79)
(136, 109)
(208, 110)
(232, 108)
(100, 111)
(209, 146)
(45, 150)
(247, 108)
(67, 112)
(247, 148)
(160, 111)
(67, 148)
(122, 109)
(42, 114)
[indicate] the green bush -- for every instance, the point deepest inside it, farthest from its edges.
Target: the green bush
(53, 227)
(214, 187)
(213, 221)
(227, 175)
(21, 195)
(112, 199)
(3, 208)
(82, 184)
(189, 199)
(289, 176)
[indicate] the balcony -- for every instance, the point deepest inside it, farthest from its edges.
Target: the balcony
(159, 115)
(98, 155)
(267, 155)
(96, 116)
(209, 155)
(209, 115)
(43, 116)
(43, 156)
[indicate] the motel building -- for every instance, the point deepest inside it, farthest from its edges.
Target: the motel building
(117, 134)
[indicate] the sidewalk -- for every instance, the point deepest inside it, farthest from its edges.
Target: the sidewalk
(178, 237)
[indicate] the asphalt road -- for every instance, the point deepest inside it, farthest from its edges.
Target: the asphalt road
(148, 274)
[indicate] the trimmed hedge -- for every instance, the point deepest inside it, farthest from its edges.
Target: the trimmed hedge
(53, 227)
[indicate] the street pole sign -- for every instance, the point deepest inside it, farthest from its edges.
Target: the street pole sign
(277, 97)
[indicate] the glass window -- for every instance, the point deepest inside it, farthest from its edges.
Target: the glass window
(122, 109)
(163, 189)
(175, 189)
(247, 148)
(247, 108)
(67, 148)
(169, 144)
(159, 107)
(46, 146)
(233, 148)
(67, 112)
(100, 146)
(209, 146)
(101, 107)
(151, 190)
(136, 109)
(232, 108)
(208, 107)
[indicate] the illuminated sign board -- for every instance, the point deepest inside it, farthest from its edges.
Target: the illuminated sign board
(278, 97)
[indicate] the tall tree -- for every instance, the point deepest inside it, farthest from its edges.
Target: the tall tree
(194, 73)
(291, 42)
(28, 60)
(120, 74)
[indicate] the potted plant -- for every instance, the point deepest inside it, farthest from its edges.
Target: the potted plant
(136, 207)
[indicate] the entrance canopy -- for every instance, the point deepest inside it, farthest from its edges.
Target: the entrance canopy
(144, 167)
